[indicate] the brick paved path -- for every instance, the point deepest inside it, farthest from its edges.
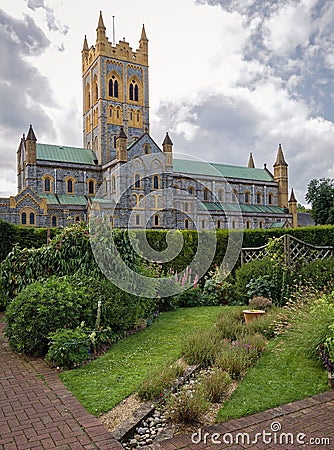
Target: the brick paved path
(38, 412)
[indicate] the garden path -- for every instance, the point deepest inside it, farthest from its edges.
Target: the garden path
(38, 412)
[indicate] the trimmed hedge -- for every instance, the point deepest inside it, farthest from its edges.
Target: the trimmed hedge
(25, 237)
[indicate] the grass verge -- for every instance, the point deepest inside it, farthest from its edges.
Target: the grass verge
(103, 383)
(281, 375)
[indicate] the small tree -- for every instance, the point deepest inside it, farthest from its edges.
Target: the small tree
(320, 193)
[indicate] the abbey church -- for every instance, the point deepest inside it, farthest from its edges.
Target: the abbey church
(124, 174)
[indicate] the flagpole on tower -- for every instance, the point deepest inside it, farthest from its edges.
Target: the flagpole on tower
(113, 30)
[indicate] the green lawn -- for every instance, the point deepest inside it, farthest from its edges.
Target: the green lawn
(281, 375)
(103, 383)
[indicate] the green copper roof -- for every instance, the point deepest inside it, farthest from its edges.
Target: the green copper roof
(65, 199)
(51, 199)
(71, 199)
(65, 154)
(234, 207)
(213, 169)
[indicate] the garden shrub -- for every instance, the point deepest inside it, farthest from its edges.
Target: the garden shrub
(265, 277)
(201, 348)
(235, 357)
(310, 327)
(260, 302)
(159, 380)
(44, 307)
(230, 323)
(265, 324)
(187, 406)
(216, 385)
(320, 273)
(120, 310)
(68, 348)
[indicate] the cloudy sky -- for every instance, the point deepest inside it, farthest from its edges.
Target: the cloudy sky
(227, 77)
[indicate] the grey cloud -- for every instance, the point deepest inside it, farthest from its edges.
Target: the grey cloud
(228, 130)
(23, 90)
(52, 23)
(308, 60)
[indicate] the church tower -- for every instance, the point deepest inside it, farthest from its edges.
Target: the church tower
(115, 93)
(281, 177)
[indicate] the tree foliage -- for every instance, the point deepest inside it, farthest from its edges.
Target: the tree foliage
(320, 193)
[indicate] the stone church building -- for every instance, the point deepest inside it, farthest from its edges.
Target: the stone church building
(124, 175)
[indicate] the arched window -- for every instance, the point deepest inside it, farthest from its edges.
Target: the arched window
(31, 218)
(156, 220)
(54, 221)
(155, 182)
(113, 87)
(247, 197)
(24, 218)
(70, 186)
(137, 181)
(186, 224)
(47, 184)
(261, 224)
(77, 219)
(91, 187)
(218, 224)
(205, 194)
(137, 219)
(113, 184)
(203, 224)
(134, 91)
(248, 224)
(270, 199)
(191, 190)
(233, 224)
(258, 198)
(96, 92)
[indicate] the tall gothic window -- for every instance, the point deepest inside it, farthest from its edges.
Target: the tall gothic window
(134, 91)
(47, 185)
(113, 87)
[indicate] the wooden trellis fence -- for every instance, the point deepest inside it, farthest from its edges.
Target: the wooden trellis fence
(294, 249)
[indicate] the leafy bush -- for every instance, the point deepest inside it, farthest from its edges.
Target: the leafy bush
(265, 277)
(187, 406)
(161, 379)
(44, 307)
(216, 385)
(201, 348)
(68, 348)
(262, 286)
(319, 272)
(120, 310)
